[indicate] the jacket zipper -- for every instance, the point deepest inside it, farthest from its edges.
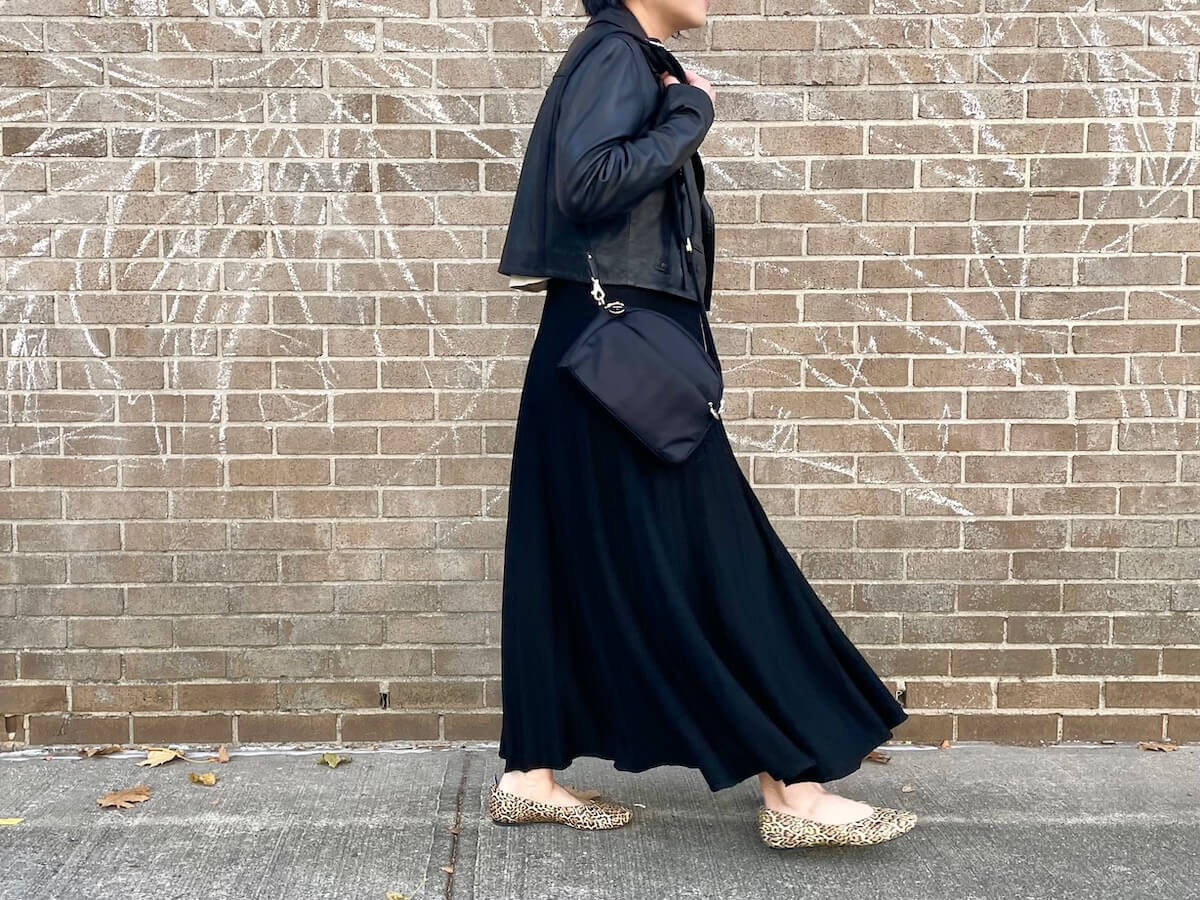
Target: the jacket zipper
(686, 260)
(699, 313)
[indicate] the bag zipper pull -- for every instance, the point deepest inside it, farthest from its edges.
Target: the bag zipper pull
(616, 307)
(597, 290)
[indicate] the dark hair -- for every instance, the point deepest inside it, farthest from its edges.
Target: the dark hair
(594, 6)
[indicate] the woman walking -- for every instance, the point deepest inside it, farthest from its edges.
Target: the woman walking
(650, 613)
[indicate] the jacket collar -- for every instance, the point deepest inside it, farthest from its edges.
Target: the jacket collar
(620, 16)
(662, 60)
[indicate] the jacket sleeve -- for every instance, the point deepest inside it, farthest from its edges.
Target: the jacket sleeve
(603, 163)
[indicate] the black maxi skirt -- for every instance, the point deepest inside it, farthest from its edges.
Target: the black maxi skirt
(650, 613)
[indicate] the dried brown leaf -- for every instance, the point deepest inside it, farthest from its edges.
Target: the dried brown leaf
(156, 756)
(124, 799)
(1157, 745)
(205, 778)
(878, 756)
(944, 745)
(449, 869)
(100, 751)
(333, 760)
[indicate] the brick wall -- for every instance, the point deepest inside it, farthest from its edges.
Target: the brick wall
(262, 373)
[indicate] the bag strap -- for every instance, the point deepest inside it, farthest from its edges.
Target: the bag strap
(654, 58)
(601, 30)
(658, 58)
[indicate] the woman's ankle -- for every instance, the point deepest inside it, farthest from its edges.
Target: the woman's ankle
(531, 779)
(798, 795)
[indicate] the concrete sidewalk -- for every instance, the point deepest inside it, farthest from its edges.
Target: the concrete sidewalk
(1075, 821)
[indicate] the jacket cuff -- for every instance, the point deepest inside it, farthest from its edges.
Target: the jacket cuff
(683, 94)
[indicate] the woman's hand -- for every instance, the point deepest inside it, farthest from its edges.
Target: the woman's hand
(692, 78)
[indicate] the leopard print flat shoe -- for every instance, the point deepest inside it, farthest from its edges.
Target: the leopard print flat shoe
(780, 829)
(511, 809)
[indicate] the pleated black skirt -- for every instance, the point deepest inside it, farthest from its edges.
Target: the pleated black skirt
(650, 613)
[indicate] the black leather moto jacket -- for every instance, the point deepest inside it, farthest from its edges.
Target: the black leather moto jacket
(612, 158)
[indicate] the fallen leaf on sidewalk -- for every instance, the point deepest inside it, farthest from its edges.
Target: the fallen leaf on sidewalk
(333, 760)
(907, 788)
(877, 756)
(1157, 745)
(156, 756)
(100, 751)
(11, 821)
(207, 778)
(124, 799)
(944, 745)
(395, 895)
(449, 869)
(222, 755)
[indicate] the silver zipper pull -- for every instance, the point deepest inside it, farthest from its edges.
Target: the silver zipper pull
(688, 243)
(597, 291)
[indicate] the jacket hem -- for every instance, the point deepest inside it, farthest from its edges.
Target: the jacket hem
(632, 280)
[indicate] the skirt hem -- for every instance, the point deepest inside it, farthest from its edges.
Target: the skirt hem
(839, 767)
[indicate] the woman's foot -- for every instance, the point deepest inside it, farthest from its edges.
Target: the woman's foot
(527, 797)
(810, 800)
(538, 785)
